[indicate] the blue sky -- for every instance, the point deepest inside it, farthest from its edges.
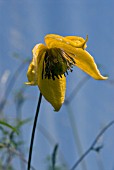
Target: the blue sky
(23, 25)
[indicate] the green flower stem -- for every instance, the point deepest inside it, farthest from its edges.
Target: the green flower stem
(33, 131)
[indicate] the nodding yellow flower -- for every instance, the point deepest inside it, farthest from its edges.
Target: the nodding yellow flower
(51, 63)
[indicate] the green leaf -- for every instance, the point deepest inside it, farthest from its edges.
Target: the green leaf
(9, 126)
(22, 122)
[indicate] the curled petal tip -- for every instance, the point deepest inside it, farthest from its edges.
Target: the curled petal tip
(102, 78)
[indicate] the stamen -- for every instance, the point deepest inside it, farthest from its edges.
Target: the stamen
(56, 63)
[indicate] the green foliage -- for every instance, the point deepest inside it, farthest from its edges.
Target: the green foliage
(11, 140)
(9, 126)
(10, 143)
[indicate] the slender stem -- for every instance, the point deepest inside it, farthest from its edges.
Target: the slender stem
(92, 145)
(72, 118)
(33, 131)
(76, 135)
(11, 85)
(54, 154)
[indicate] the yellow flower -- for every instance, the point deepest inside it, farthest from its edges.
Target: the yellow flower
(51, 63)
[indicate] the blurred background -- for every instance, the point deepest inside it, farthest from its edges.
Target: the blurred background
(90, 103)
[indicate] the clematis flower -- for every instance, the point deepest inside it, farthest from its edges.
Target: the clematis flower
(51, 63)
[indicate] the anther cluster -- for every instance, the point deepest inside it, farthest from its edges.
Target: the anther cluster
(56, 64)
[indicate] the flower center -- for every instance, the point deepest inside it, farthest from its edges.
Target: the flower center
(56, 63)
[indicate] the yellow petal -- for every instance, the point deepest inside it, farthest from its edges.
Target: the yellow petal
(86, 62)
(82, 58)
(53, 40)
(52, 90)
(31, 75)
(78, 40)
(32, 72)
